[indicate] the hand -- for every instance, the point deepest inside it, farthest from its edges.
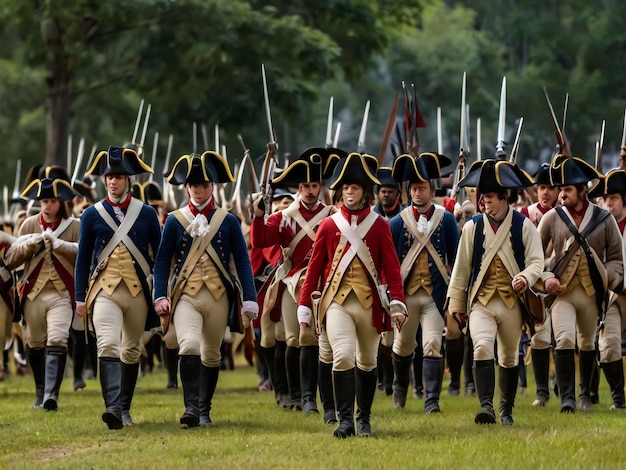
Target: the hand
(255, 206)
(398, 315)
(519, 284)
(554, 286)
(460, 318)
(246, 318)
(81, 309)
(162, 307)
(34, 239)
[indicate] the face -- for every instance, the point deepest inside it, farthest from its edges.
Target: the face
(50, 208)
(421, 194)
(309, 193)
(547, 195)
(388, 195)
(116, 184)
(352, 195)
(570, 197)
(281, 204)
(200, 193)
(614, 203)
(494, 206)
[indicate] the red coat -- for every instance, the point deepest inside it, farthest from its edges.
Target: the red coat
(382, 249)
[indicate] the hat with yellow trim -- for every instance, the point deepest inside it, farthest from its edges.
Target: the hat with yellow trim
(494, 176)
(54, 172)
(427, 166)
(48, 188)
(356, 168)
(136, 191)
(385, 176)
(614, 182)
(210, 167)
(566, 170)
(542, 177)
(118, 161)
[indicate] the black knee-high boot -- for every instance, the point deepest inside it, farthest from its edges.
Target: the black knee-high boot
(171, 363)
(344, 398)
(454, 358)
(401, 380)
(190, 373)
(485, 382)
(587, 362)
(433, 377)
(309, 358)
(129, 381)
(385, 368)
(566, 379)
(281, 386)
(79, 354)
(37, 359)
(292, 365)
(541, 370)
(208, 383)
(365, 390)
(614, 373)
(111, 380)
(325, 381)
(508, 389)
(56, 358)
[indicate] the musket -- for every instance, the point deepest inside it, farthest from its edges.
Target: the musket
(18, 171)
(79, 160)
(516, 142)
(599, 145)
(464, 153)
(562, 145)
(137, 121)
(337, 132)
(329, 125)
(361, 141)
(271, 161)
(500, 153)
(154, 154)
(388, 130)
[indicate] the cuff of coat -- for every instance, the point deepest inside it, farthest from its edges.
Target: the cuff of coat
(250, 306)
(305, 314)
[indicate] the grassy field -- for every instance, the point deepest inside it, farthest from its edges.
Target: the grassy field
(250, 432)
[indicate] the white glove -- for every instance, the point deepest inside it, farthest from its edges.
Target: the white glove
(249, 312)
(305, 314)
(35, 239)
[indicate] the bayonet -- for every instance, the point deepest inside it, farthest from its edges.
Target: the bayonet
(516, 142)
(478, 140)
(562, 145)
(439, 133)
(500, 153)
(145, 130)
(459, 173)
(92, 154)
(79, 160)
(217, 139)
(564, 112)
(205, 137)
(195, 137)
(167, 189)
(361, 141)
(407, 119)
(154, 154)
(271, 160)
(599, 145)
(18, 172)
(68, 162)
(388, 130)
(337, 132)
(137, 121)
(268, 115)
(329, 125)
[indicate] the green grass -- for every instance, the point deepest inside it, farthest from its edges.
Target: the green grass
(250, 432)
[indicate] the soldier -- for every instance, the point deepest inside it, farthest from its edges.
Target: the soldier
(117, 238)
(352, 258)
(201, 241)
(499, 257)
(540, 342)
(388, 194)
(583, 251)
(426, 239)
(7, 292)
(47, 246)
(294, 230)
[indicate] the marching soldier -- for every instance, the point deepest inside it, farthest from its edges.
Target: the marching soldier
(118, 237)
(426, 239)
(540, 342)
(201, 241)
(583, 251)
(293, 229)
(7, 292)
(498, 258)
(352, 258)
(47, 246)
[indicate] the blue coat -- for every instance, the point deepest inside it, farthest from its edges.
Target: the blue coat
(445, 239)
(95, 233)
(229, 240)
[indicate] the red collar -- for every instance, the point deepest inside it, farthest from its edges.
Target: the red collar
(52, 225)
(542, 209)
(206, 211)
(360, 213)
(429, 213)
(581, 213)
(622, 225)
(122, 205)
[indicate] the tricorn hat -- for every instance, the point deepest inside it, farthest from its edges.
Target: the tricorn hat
(614, 182)
(308, 168)
(334, 156)
(153, 194)
(47, 188)
(355, 168)
(426, 167)
(54, 172)
(136, 191)
(495, 176)
(566, 170)
(384, 175)
(118, 161)
(210, 167)
(542, 177)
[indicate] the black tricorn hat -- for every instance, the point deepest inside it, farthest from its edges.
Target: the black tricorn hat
(118, 161)
(565, 171)
(355, 168)
(614, 182)
(542, 177)
(210, 167)
(136, 191)
(54, 172)
(334, 156)
(47, 188)
(495, 176)
(426, 167)
(384, 175)
(85, 190)
(308, 168)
